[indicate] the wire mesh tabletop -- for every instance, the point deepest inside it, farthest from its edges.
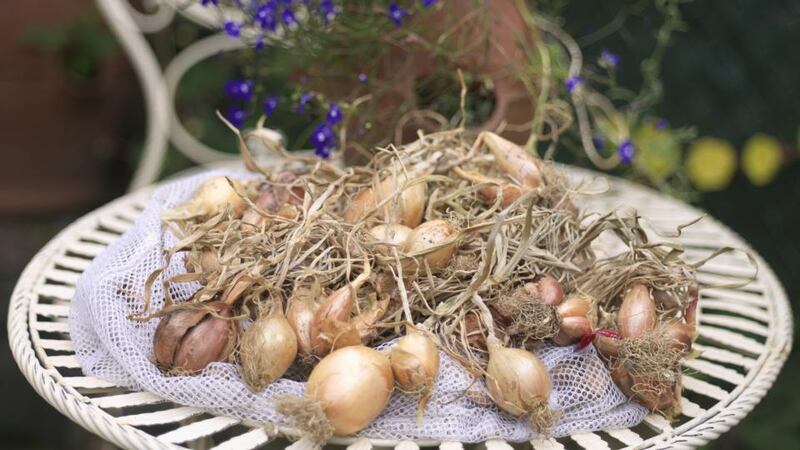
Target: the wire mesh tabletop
(745, 336)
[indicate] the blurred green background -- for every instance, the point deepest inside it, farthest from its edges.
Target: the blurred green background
(73, 124)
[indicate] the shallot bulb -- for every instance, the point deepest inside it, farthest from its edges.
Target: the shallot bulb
(514, 161)
(429, 236)
(491, 188)
(406, 207)
(352, 385)
(276, 199)
(187, 340)
(415, 364)
(637, 314)
(300, 315)
(519, 383)
(575, 322)
(211, 198)
(267, 349)
(331, 320)
(391, 236)
(546, 289)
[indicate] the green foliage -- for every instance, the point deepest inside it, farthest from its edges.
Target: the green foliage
(83, 44)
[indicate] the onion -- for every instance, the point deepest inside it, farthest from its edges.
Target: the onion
(406, 208)
(415, 363)
(518, 383)
(187, 340)
(492, 187)
(267, 349)
(429, 236)
(513, 160)
(365, 322)
(211, 198)
(332, 316)
(276, 199)
(352, 385)
(392, 235)
(300, 316)
(637, 314)
(546, 289)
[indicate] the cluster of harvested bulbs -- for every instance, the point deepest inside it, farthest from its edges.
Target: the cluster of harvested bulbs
(440, 246)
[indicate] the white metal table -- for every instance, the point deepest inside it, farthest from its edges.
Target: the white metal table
(745, 337)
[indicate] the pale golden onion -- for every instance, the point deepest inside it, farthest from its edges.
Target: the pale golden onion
(637, 314)
(430, 235)
(212, 197)
(352, 385)
(404, 208)
(393, 235)
(518, 383)
(415, 363)
(332, 316)
(267, 349)
(300, 316)
(514, 161)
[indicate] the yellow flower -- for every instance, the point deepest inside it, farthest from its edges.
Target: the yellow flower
(657, 152)
(711, 163)
(761, 158)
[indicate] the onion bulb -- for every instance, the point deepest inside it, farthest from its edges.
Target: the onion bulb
(546, 289)
(519, 383)
(352, 385)
(211, 198)
(637, 314)
(514, 161)
(575, 322)
(267, 349)
(415, 363)
(431, 235)
(406, 208)
(187, 340)
(391, 236)
(300, 315)
(333, 315)
(492, 187)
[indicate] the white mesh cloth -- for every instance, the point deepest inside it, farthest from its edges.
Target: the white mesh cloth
(111, 346)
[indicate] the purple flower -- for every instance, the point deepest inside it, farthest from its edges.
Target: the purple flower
(608, 59)
(232, 29)
(327, 10)
(265, 16)
(236, 116)
(626, 150)
(259, 44)
(429, 3)
(270, 103)
(661, 124)
(324, 140)
(396, 14)
(362, 78)
(305, 97)
(209, 2)
(241, 90)
(573, 82)
(334, 114)
(288, 18)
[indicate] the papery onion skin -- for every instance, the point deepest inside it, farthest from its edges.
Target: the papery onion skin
(353, 385)
(431, 234)
(517, 381)
(213, 196)
(300, 316)
(415, 362)
(546, 289)
(267, 349)
(396, 236)
(406, 208)
(515, 161)
(211, 339)
(637, 314)
(332, 315)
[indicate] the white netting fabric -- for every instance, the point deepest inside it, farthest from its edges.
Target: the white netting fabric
(111, 346)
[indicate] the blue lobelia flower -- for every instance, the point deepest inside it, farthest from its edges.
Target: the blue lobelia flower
(362, 78)
(598, 141)
(236, 116)
(573, 82)
(305, 97)
(232, 29)
(209, 2)
(429, 3)
(270, 103)
(265, 16)
(396, 14)
(334, 114)
(327, 10)
(608, 59)
(626, 150)
(259, 44)
(324, 140)
(288, 18)
(241, 90)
